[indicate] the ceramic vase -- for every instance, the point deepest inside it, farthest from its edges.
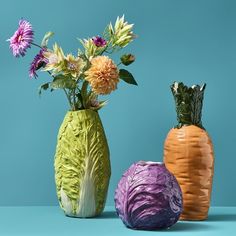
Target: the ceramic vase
(82, 164)
(188, 152)
(148, 197)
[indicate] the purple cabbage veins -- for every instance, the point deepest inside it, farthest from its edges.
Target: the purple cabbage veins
(148, 197)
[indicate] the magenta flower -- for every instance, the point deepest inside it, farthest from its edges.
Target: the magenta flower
(21, 39)
(38, 62)
(99, 41)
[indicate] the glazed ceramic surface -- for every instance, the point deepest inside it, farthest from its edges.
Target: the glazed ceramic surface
(148, 197)
(82, 165)
(188, 152)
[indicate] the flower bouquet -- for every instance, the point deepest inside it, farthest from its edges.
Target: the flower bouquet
(82, 165)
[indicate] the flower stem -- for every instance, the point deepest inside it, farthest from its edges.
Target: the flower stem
(84, 93)
(50, 74)
(66, 93)
(74, 100)
(106, 47)
(68, 98)
(36, 45)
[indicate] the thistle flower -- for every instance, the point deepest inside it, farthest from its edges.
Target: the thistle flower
(21, 39)
(38, 62)
(56, 59)
(95, 105)
(103, 75)
(73, 66)
(122, 33)
(99, 41)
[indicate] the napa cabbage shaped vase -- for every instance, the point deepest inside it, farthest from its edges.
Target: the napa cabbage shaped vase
(82, 164)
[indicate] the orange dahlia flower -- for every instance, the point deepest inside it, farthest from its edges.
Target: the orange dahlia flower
(103, 75)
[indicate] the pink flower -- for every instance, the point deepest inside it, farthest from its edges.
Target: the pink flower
(99, 41)
(21, 39)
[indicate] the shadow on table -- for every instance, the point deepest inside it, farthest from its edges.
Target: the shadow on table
(189, 226)
(184, 227)
(221, 217)
(108, 215)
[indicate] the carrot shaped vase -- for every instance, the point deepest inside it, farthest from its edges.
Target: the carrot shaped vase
(188, 152)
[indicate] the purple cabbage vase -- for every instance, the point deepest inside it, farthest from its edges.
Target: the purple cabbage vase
(148, 197)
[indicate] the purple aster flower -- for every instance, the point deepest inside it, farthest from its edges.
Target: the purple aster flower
(38, 62)
(99, 41)
(21, 39)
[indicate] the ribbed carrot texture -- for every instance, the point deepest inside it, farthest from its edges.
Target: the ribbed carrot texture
(188, 154)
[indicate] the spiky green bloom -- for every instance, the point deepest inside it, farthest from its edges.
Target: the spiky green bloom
(121, 33)
(82, 164)
(66, 65)
(73, 66)
(93, 103)
(56, 59)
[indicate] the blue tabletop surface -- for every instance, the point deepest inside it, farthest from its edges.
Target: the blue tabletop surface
(50, 220)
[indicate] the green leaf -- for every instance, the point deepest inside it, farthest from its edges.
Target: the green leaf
(43, 87)
(127, 77)
(46, 37)
(63, 82)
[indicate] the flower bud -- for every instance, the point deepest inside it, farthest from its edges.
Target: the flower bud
(127, 59)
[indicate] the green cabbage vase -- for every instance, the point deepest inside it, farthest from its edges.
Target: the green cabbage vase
(82, 164)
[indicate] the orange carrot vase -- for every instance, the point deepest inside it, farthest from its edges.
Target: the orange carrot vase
(188, 152)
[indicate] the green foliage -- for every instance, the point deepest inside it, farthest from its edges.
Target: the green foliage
(127, 77)
(46, 37)
(68, 71)
(63, 82)
(43, 87)
(106, 33)
(188, 101)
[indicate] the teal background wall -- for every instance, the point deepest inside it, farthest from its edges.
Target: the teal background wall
(186, 40)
